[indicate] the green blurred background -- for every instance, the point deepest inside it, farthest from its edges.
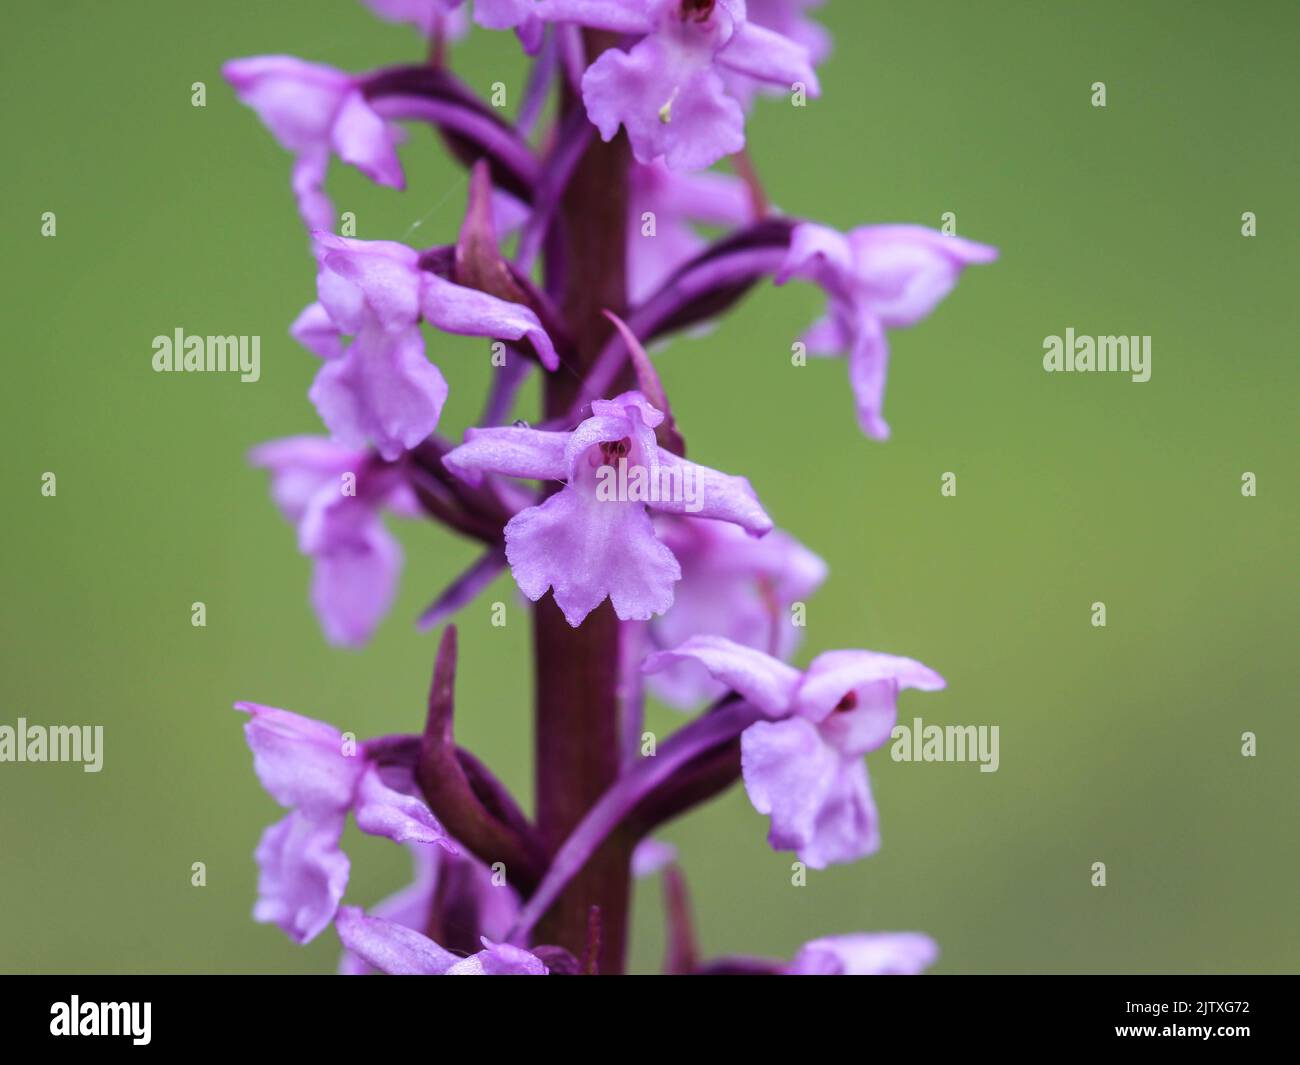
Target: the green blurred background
(1119, 745)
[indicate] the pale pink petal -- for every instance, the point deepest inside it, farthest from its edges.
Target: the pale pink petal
(428, 16)
(827, 336)
(788, 772)
(846, 826)
(588, 550)
(866, 954)
(499, 959)
(390, 947)
(384, 272)
(819, 802)
(410, 906)
(617, 16)
(381, 810)
(354, 584)
(520, 15)
(903, 271)
(303, 874)
(308, 183)
(821, 254)
(766, 682)
(510, 450)
(767, 56)
(469, 312)
(868, 365)
(671, 101)
(315, 330)
(301, 466)
(300, 761)
(625, 403)
(789, 18)
(598, 429)
(457, 888)
(383, 390)
(296, 100)
(835, 674)
(708, 493)
(367, 142)
(344, 302)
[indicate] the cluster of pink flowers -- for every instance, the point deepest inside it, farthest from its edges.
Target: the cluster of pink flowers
(686, 594)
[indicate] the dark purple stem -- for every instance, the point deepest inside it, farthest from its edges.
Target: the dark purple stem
(578, 749)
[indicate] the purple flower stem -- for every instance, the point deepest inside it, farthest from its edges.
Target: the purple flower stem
(578, 742)
(680, 749)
